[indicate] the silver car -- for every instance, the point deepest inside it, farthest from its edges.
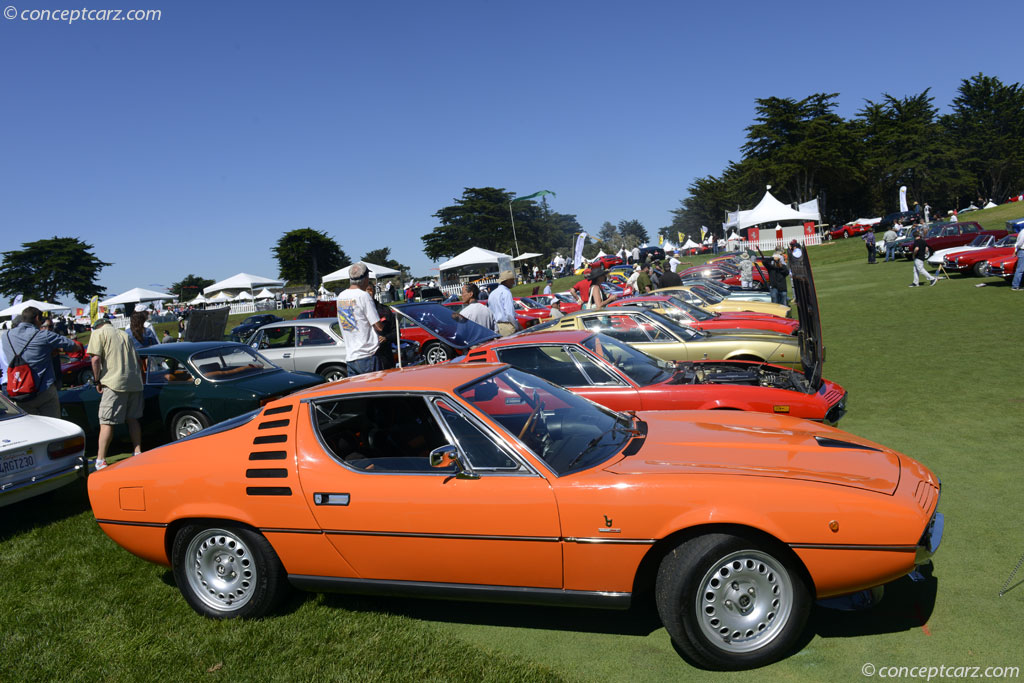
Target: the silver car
(310, 345)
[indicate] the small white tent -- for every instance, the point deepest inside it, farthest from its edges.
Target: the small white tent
(375, 272)
(472, 257)
(136, 296)
(771, 210)
(243, 281)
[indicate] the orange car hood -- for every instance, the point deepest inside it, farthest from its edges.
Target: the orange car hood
(759, 445)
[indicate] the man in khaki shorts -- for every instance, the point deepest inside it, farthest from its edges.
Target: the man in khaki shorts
(115, 365)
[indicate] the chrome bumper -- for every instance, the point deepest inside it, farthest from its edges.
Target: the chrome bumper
(34, 486)
(930, 539)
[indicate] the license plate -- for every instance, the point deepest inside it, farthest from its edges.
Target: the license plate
(16, 462)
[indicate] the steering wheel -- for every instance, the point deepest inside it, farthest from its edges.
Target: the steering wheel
(538, 406)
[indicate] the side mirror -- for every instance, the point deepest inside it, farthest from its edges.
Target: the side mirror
(448, 456)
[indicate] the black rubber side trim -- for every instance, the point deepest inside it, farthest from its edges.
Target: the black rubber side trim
(268, 473)
(278, 410)
(268, 491)
(268, 455)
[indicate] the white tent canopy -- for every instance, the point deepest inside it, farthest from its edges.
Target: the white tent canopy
(199, 300)
(771, 210)
(375, 272)
(690, 244)
(16, 309)
(265, 294)
(471, 257)
(221, 296)
(136, 296)
(529, 254)
(243, 296)
(735, 237)
(243, 281)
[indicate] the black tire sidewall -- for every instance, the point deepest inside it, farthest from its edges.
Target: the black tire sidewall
(270, 582)
(677, 586)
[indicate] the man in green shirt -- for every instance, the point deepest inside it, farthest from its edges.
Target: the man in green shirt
(115, 365)
(643, 282)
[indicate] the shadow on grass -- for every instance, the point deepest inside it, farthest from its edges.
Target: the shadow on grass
(906, 605)
(640, 620)
(44, 509)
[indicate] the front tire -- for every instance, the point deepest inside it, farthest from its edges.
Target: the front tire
(187, 423)
(227, 572)
(730, 602)
(435, 353)
(332, 373)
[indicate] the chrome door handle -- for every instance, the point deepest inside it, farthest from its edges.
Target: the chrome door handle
(286, 355)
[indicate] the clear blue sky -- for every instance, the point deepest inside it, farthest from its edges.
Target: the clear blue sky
(190, 144)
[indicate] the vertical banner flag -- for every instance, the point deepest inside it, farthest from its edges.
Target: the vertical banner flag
(661, 240)
(577, 252)
(681, 240)
(903, 198)
(94, 305)
(18, 299)
(703, 233)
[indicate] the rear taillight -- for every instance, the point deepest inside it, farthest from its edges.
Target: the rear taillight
(62, 449)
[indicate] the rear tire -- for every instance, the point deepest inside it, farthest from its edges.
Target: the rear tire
(731, 602)
(85, 376)
(227, 572)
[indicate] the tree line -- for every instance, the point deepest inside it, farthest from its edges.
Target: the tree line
(856, 166)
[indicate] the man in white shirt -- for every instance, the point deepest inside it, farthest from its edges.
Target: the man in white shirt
(502, 307)
(360, 324)
(674, 262)
(636, 254)
(1018, 248)
(474, 310)
(547, 287)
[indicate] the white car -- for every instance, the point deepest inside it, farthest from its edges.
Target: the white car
(979, 242)
(37, 454)
(307, 301)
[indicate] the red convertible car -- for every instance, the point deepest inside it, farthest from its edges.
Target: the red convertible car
(620, 377)
(692, 316)
(850, 229)
(977, 261)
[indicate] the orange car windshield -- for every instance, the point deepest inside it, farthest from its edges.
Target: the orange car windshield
(567, 432)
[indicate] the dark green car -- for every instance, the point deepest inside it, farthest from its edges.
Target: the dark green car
(190, 386)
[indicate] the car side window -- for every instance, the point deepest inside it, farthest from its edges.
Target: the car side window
(479, 448)
(656, 332)
(164, 370)
(281, 337)
(970, 228)
(380, 433)
(622, 327)
(313, 336)
(598, 374)
(550, 362)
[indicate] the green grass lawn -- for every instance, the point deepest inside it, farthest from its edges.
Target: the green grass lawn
(931, 371)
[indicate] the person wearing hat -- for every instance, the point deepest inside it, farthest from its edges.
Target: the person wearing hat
(502, 307)
(118, 376)
(777, 273)
(595, 294)
(643, 281)
(361, 325)
(669, 277)
(746, 271)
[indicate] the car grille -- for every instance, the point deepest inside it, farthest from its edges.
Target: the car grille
(996, 270)
(925, 494)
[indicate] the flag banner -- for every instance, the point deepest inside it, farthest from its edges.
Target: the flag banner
(703, 233)
(903, 198)
(577, 253)
(18, 299)
(661, 240)
(94, 304)
(680, 236)
(535, 195)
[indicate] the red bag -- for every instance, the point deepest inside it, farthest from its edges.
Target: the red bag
(21, 384)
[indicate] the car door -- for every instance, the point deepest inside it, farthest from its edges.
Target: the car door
(640, 332)
(277, 343)
(314, 347)
(393, 517)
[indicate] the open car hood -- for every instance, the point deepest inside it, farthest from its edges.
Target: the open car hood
(446, 324)
(812, 352)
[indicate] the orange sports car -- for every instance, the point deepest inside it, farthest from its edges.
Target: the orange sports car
(482, 482)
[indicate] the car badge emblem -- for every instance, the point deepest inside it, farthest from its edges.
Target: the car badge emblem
(607, 520)
(197, 381)
(606, 529)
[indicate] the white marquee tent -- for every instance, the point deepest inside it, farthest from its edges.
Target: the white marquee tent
(136, 296)
(771, 210)
(472, 257)
(243, 281)
(243, 296)
(16, 309)
(375, 272)
(529, 254)
(265, 294)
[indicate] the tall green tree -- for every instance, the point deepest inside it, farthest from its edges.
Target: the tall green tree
(988, 123)
(480, 218)
(47, 268)
(633, 230)
(382, 257)
(189, 287)
(304, 255)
